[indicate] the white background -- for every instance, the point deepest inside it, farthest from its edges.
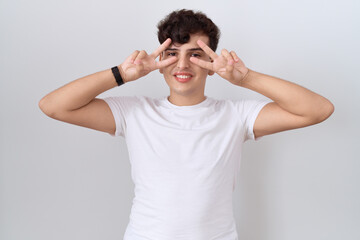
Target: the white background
(60, 181)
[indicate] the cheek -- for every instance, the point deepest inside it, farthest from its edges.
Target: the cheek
(167, 74)
(202, 71)
(165, 70)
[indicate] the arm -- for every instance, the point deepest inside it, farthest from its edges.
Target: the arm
(293, 107)
(76, 102)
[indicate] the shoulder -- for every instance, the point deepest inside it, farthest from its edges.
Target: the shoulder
(246, 109)
(135, 100)
(238, 104)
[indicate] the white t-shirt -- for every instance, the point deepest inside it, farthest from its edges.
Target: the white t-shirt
(184, 164)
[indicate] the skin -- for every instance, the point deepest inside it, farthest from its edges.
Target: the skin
(192, 91)
(293, 106)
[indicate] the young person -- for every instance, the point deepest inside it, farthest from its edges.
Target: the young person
(185, 148)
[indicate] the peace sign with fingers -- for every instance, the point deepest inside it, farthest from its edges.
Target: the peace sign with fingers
(227, 65)
(139, 63)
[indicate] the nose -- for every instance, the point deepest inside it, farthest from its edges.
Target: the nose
(183, 62)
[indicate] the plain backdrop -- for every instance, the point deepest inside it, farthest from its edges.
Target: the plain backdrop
(60, 181)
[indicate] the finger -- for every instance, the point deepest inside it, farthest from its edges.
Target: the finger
(132, 57)
(238, 62)
(236, 58)
(140, 56)
(161, 48)
(227, 56)
(207, 49)
(166, 62)
(202, 63)
(233, 54)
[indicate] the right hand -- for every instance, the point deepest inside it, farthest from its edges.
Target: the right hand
(139, 63)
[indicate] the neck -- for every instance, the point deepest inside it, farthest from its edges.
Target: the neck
(186, 100)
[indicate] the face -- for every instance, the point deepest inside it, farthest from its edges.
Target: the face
(184, 78)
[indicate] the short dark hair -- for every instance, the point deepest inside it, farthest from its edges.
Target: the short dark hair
(178, 25)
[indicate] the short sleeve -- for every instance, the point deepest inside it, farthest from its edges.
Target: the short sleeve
(119, 106)
(249, 110)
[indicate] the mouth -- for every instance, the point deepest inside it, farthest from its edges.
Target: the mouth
(183, 77)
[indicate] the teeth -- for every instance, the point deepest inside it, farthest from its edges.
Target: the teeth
(183, 76)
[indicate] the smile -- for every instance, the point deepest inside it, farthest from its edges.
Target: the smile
(182, 77)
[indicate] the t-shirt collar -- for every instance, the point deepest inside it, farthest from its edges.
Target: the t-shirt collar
(198, 105)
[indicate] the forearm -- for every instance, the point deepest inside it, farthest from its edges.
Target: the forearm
(289, 96)
(78, 93)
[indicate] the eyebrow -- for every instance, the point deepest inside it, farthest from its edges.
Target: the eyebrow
(188, 50)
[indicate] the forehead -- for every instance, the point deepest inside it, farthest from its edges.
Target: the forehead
(192, 43)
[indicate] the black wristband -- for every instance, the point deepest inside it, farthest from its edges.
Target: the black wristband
(117, 75)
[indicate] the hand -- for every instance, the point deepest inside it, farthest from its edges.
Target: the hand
(139, 63)
(227, 65)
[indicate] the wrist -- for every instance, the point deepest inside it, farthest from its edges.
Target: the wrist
(118, 75)
(122, 73)
(244, 78)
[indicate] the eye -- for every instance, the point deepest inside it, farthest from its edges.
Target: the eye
(171, 54)
(196, 55)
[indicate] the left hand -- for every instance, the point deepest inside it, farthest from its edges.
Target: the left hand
(227, 65)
